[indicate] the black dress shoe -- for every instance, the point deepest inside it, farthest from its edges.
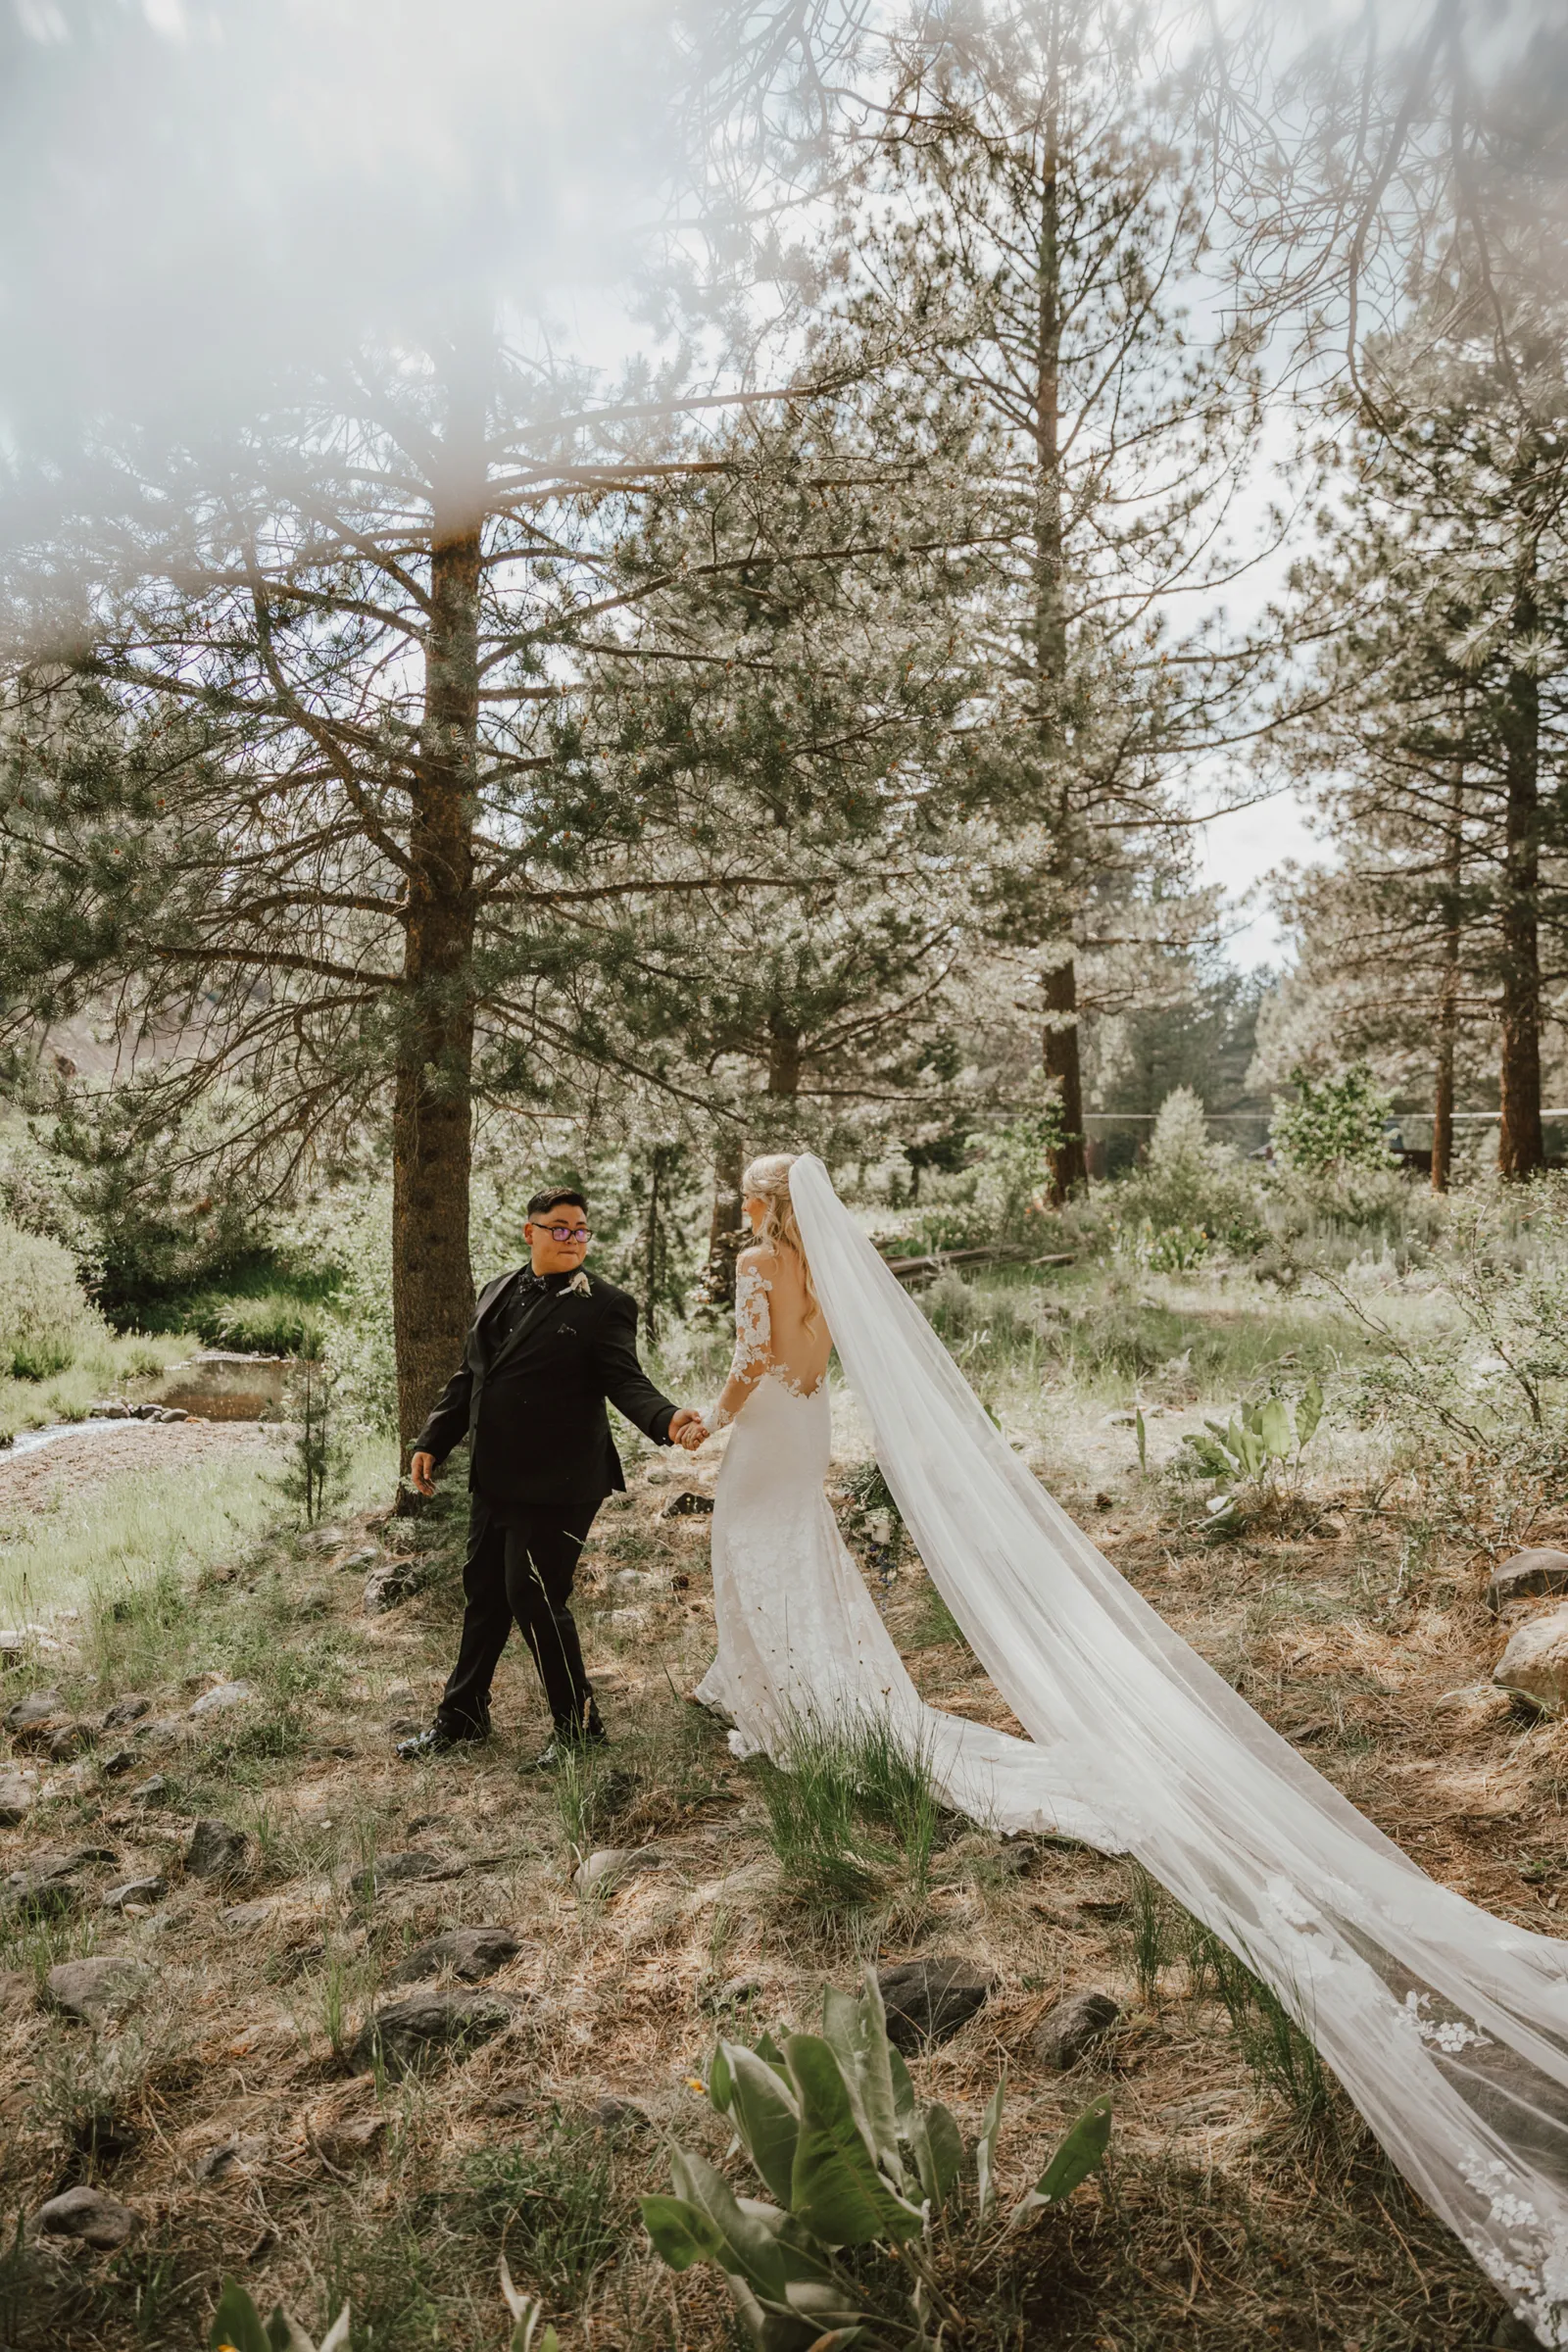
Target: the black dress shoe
(436, 1742)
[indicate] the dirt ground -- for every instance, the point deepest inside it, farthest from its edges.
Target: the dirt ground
(224, 2108)
(86, 1459)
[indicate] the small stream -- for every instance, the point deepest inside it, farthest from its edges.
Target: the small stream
(28, 1440)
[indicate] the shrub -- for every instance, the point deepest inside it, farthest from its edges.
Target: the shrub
(274, 1323)
(45, 1321)
(831, 2125)
(1334, 1124)
(1189, 1193)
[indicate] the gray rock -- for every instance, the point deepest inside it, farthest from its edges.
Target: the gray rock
(39, 1706)
(613, 1864)
(17, 1799)
(620, 2115)
(90, 2216)
(216, 1851)
(125, 1711)
(357, 1562)
(392, 1582)
(471, 1953)
(115, 1767)
(59, 1742)
(94, 1990)
(242, 1917)
(403, 1870)
(213, 2163)
(152, 1793)
(1069, 2031)
(418, 2032)
(50, 1885)
(730, 1994)
(1536, 1660)
(687, 1504)
(1537, 1570)
(324, 1539)
(928, 2000)
(227, 1694)
(135, 1890)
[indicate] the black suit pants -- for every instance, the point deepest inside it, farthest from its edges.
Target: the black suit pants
(519, 1570)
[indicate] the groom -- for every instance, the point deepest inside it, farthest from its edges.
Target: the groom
(548, 1344)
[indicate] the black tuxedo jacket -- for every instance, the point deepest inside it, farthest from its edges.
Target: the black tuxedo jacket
(533, 1407)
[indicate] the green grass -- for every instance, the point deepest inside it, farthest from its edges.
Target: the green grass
(853, 1811)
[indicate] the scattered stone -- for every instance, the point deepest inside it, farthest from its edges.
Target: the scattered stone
(216, 1851)
(350, 2138)
(324, 1539)
(17, 1798)
(616, 2114)
(471, 1954)
(110, 1409)
(115, 1767)
(928, 2000)
(416, 2033)
(242, 1917)
(227, 1694)
(730, 1994)
(403, 1870)
(91, 2216)
(214, 2163)
(124, 1711)
(162, 1732)
(393, 1582)
(91, 1990)
(612, 1863)
(1536, 1660)
(1070, 2030)
(366, 1557)
(1537, 1570)
(38, 1707)
(58, 1742)
(1016, 1856)
(135, 1892)
(628, 1621)
(687, 1504)
(50, 1883)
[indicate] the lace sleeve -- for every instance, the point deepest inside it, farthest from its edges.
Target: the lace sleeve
(754, 1342)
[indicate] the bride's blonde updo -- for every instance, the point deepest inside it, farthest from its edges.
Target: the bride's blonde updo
(768, 1180)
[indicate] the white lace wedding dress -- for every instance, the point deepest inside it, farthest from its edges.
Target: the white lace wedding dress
(1446, 2025)
(801, 1642)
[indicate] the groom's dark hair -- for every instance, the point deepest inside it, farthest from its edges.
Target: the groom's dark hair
(560, 1196)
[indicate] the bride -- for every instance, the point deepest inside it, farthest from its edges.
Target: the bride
(1447, 2026)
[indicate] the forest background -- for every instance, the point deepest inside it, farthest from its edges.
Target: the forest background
(434, 764)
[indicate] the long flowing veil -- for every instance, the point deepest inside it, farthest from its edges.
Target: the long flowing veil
(1447, 2026)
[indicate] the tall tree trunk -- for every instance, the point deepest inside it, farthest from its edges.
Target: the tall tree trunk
(1521, 1146)
(1069, 1164)
(1069, 1167)
(1448, 989)
(725, 1226)
(784, 1059)
(651, 1254)
(432, 1277)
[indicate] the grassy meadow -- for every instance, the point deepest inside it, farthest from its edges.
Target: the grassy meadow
(1241, 2202)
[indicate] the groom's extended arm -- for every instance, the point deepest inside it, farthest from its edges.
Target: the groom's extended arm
(625, 1383)
(447, 1422)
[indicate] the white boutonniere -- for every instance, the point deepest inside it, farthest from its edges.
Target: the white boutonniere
(580, 1286)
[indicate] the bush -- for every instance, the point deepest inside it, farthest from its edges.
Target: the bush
(1189, 1193)
(1334, 1124)
(277, 1323)
(45, 1321)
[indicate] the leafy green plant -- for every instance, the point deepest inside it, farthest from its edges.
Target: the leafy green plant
(237, 2327)
(831, 2126)
(316, 1469)
(1334, 1123)
(1260, 1443)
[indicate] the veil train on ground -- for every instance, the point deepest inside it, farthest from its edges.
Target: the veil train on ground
(1447, 2026)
